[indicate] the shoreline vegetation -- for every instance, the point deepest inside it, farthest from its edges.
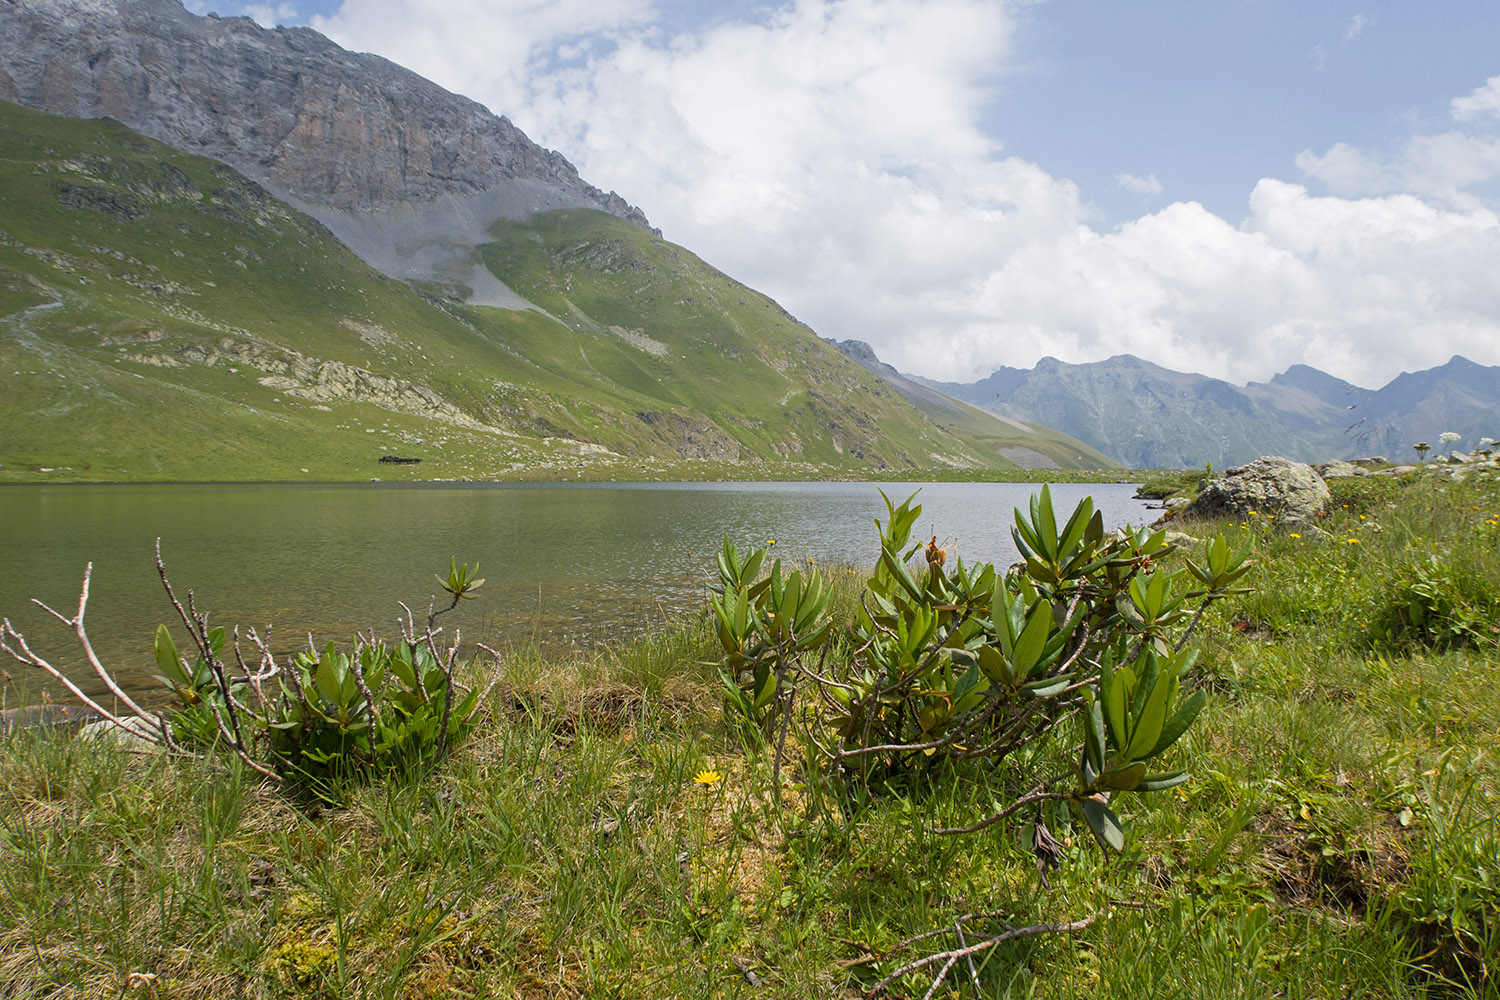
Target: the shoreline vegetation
(637, 473)
(608, 829)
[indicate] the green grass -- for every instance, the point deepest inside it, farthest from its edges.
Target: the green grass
(123, 264)
(1340, 836)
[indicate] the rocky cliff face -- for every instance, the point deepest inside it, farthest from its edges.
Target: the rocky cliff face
(288, 107)
(407, 174)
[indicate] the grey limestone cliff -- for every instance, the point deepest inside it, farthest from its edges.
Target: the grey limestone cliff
(406, 173)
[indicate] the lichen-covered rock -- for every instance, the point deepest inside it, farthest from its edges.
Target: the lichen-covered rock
(1289, 492)
(1341, 470)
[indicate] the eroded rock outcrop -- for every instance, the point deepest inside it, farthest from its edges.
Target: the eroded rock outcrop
(320, 381)
(286, 106)
(691, 435)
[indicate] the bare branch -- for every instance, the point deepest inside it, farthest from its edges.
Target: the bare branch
(14, 644)
(1028, 799)
(950, 957)
(364, 689)
(494, 677)
(76, 624)
(442, 744)
(161, 571)
(239, 747)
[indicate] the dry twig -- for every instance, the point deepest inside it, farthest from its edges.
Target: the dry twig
(951, 957)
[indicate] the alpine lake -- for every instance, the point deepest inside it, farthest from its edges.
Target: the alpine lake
(574, 564)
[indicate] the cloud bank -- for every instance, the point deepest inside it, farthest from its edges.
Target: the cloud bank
(832, 153)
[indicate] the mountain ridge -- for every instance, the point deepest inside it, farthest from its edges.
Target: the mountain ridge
(1147, 416)
(406, 173)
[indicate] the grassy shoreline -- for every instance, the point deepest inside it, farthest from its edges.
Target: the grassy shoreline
(1340, 837)
(684, 472)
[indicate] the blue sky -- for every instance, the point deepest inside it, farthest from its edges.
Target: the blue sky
(1211, 97)
(1225, 187)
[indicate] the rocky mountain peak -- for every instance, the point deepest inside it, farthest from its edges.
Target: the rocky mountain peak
(289, 107)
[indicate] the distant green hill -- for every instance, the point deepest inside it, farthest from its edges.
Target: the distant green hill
(162, 317)
(1027, 444)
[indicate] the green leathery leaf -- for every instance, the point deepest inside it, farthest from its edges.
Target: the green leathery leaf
(1094, 733)
(168, 660)
(325, 681)
(1047, 687)
(1120, 687)
(1148, 724)
(1144, 684)
(994, 666)
(465, 708)
(1073, 532)
(968, 683)
(1179, 722)
(1045, 521)
(1104, 823)
(898, 569)
(1033, 638)
(1161, 782)
(1123, 779)
(1039, 569)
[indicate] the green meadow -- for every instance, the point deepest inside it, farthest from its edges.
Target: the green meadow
(164, 318)
(607, 830)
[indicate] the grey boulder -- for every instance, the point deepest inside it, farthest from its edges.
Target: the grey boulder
(1286, 491)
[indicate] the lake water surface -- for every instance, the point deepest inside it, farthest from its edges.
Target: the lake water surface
(569, 563)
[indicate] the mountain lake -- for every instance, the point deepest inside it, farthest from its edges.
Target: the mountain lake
(564, 564)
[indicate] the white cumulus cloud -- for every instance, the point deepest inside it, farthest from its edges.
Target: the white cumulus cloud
(1147, 185)
(833, 153)
(1482, 102)
(270, 15)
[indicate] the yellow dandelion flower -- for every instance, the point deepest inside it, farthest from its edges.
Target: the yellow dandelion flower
(1294, 535)
(1352, 541)
(709, 777)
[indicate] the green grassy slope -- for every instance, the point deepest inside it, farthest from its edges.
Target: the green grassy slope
(650, 319)
(1027, 444)
(162, 317)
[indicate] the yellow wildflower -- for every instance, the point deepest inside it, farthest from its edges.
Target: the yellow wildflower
(709, 777)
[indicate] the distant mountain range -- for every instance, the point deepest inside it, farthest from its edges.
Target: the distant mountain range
(332, 260)
(1146, 416)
